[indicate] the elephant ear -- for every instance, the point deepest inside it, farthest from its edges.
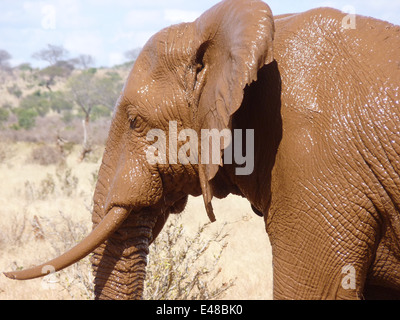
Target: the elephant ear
(235, 40)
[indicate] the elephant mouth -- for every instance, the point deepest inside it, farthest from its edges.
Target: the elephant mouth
(179, 205)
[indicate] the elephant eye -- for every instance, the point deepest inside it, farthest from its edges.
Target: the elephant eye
(199, 60)
(133, 123)
(199, 67)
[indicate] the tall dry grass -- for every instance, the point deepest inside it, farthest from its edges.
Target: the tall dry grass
(45, 204)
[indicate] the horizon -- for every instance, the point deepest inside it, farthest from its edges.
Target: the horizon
(106, 29)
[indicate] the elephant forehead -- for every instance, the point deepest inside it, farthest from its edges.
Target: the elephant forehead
(152, 94)
(170, 46)
(155, 88)
(166, 51)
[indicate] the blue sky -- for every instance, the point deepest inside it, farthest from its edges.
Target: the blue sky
(106, 29)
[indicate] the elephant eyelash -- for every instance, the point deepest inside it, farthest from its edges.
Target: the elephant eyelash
(132, 123)
(200, 81)
(199, 60)
(194, 74)
(199, 67)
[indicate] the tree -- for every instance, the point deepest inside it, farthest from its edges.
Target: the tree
(61, 69)
(84, 61)
(58, 67)
(59, 102)
(4, 60)
(83, 92)
(93, 93)
(109, 89)
(26, 118)
(52, 54)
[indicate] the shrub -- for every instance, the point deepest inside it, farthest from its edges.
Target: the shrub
(67, 117)
(7, 151)
(45, 155)
(47, 187)
(36, 101)
(4, 115)
(67, 181)
(58, 102)
(100, 111)
(26, 118)
(63, 232)
(25, 67)
(180, 266)
(14, 233)
(3, 153)
(15, 90)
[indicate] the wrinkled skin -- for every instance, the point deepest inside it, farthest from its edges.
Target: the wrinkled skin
(336, 186)
(324, 104)
(174, 79)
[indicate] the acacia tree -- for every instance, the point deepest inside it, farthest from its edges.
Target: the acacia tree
(90, 92)
(83, 94)
(4, 59)
(58, 66)
(52, 54)
(84, 61)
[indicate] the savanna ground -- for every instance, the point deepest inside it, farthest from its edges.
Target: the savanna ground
(45, 209)
(46, 189)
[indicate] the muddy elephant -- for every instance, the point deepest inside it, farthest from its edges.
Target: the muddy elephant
(315, 106)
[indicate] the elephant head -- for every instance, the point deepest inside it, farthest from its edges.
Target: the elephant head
(191, 75)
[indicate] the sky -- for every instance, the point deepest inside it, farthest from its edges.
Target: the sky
(106, 29)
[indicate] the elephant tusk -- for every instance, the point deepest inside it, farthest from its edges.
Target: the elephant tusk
(114, 218)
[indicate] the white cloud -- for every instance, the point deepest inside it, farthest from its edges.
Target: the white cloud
(84, 43)
(177, 16)
(133, 38)
(104, 27)
(142, 18)
(70, 14)
(115, 58)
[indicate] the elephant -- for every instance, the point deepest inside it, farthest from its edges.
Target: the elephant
(322, 102)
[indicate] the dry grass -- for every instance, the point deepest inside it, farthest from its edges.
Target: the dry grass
(45, 209)
(187, 270)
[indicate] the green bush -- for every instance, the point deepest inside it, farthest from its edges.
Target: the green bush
(92, 71)
(36, 101)
(43, 102)
(58, 102)
(15, 90)
(67, 117)
(26, 118)
(25, 67)
(100, 111)
(4, 115)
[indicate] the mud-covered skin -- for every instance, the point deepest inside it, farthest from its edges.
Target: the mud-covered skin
(178, 76)
(324, 105)
(336, 186)
(326, 167)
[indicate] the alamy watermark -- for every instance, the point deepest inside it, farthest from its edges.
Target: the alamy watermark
(349, 279)
(49, 17)
(49, 281)
(349, 21)
(212, 141)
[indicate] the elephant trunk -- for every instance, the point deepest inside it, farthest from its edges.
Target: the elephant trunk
(111, 222)
(119, 264)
